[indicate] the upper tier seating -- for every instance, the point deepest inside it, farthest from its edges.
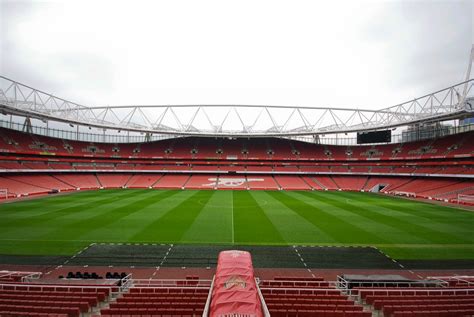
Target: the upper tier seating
(261, 148)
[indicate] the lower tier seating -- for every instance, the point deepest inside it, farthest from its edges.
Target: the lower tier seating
(305, 297)
(49, 300)
(292, 183)
(443, 188)
(404, 302)
(159, 301)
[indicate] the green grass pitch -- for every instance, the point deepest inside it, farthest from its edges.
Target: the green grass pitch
(404, 229)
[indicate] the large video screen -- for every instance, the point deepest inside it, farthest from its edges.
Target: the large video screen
(374, 137)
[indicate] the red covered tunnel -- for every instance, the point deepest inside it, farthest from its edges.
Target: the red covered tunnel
(235, 291)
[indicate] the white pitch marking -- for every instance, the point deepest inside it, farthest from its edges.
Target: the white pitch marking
(72, 257)
(232, 207)
(302, 260)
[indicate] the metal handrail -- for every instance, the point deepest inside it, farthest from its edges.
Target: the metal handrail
(205, 313)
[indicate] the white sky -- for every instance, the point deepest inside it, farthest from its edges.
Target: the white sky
(365, 54)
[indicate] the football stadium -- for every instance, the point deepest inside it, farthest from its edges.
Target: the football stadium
(236, 210)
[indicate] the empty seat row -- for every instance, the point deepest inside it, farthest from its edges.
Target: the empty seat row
(369, 299)
(148, 311)
(315, 306)
(320, 313)
(129, 298)
(101, 296)
(69, 311)
(441, 313)
(166, 290)
(378, 304)
(390, 309)
(82, 305)
(337, 301)
(5, 313)
(91, 300)
(146, 315)
(302, 284)
(157, 305)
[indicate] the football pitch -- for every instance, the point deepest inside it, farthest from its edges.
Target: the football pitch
(403, 229)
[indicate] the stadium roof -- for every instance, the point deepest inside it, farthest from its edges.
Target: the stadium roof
(235, 120)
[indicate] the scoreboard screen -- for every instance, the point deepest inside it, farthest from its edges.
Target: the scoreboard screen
(383, 136)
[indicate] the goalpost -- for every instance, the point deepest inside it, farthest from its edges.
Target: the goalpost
(467, 199)
(3, 193)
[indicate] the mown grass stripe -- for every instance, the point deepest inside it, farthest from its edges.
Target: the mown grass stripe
(32, 203)
(215, 219)
(272, 218)
(391, 217)
(251, 224)
(335, 226)
(175, 222)
(293, 227)
(361, 219)
(108, 216)
(425, 210)
(73, 209)
(437, 231)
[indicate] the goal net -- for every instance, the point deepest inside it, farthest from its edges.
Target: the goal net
(467, 199)
(3, 193)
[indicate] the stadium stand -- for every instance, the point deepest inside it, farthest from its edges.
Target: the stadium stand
(182, 300)
(350, 183)
(261, 182)
(326, 182)
(413, 301)
(232, 182)
(82, 181)
(421, 168)
(27, 299)
(313, 183)
(201, 182)
(143, 180)
(292, 183)
(172, 181)
(18, 188)
(113, 180)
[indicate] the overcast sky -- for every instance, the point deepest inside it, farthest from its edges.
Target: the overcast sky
(365, 54)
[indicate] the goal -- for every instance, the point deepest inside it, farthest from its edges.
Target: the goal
(406, 194)
(466, 199)
(3, 193)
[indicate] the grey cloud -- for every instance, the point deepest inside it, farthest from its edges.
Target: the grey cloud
(428, 42)
(424, 45)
